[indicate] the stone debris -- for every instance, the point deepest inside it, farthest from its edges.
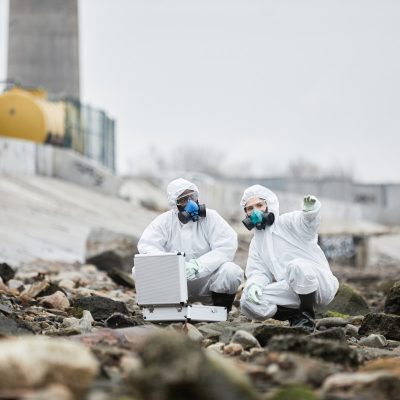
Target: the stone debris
(334, 333)
(100, 307)
(245, 339)
(233, 349)
(361, 385)
(118, 320)
(392, 302)
(328, 350)
(73, 326)
(97, 311)
(6, 272)
(35, 362)
(57, 300)
(373, 340)
(387, 325)
(182, 369)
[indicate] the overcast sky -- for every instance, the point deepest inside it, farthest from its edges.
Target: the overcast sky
(264, 81)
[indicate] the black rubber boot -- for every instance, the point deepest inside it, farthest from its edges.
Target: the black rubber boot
(307, 314)
(286, 314)
(223, 300)
(307, 302)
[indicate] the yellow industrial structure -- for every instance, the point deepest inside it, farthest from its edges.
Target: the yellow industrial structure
(28, 114)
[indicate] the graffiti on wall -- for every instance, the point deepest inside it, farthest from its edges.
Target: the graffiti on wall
(88, 170)
(339, 249)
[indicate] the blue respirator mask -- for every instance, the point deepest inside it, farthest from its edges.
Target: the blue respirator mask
(192, 211)
(259, 219)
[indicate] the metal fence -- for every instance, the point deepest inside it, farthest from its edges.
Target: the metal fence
(90, 132)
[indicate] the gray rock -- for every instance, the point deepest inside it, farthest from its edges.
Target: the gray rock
(331, 334)
(393, 343)
(347, 301)
(373, 340)
(110, 250)
(214, 330)
(263, 332)
(392, 303)
(328, 350)
(101, 308)
(13, 327)
(6, 272)
(276, 369)
(380, 385)
(351, 330)
(5, 309)
(118, 320)
(245, 339)
(174, 367)
(372, 353)
(387, 325)
(15, 284)
(78, 326)
(121, 278)
(331, 322)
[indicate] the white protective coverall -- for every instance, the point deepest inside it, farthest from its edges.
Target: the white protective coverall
(285, 259)
(210, 241)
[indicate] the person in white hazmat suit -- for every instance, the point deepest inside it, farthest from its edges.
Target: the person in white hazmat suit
(206, 239)
(287, 272)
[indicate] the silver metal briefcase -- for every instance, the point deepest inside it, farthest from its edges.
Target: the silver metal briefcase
(162, 293)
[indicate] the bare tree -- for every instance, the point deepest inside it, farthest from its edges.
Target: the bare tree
(198, 159)
(302, 168)
(305, 169)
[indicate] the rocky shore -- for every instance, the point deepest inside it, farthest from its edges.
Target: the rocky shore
(74, 331)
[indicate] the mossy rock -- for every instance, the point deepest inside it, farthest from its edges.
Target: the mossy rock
(298, 392)
(174, 367)
(347, 301)
(385, 285)
(392, 303)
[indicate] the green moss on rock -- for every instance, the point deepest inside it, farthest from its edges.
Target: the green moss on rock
(347, 301)
(298, 392)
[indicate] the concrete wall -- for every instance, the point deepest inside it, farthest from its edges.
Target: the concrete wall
(43, 47)
(20, 157)
(72, 167)
(377, 202)
(17, 157)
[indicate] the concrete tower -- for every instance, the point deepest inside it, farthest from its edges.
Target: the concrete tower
(43, 45)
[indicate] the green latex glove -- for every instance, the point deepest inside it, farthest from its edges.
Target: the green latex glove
(309, 203)
(254, 293)
(192, 269)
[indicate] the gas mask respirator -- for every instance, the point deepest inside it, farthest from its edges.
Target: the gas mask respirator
(192, 211)
(259, 219)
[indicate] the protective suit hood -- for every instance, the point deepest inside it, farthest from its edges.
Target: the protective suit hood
(263, 193)
(176, 187)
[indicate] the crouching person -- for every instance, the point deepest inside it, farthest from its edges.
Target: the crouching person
(206, 239)
(287, 272)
